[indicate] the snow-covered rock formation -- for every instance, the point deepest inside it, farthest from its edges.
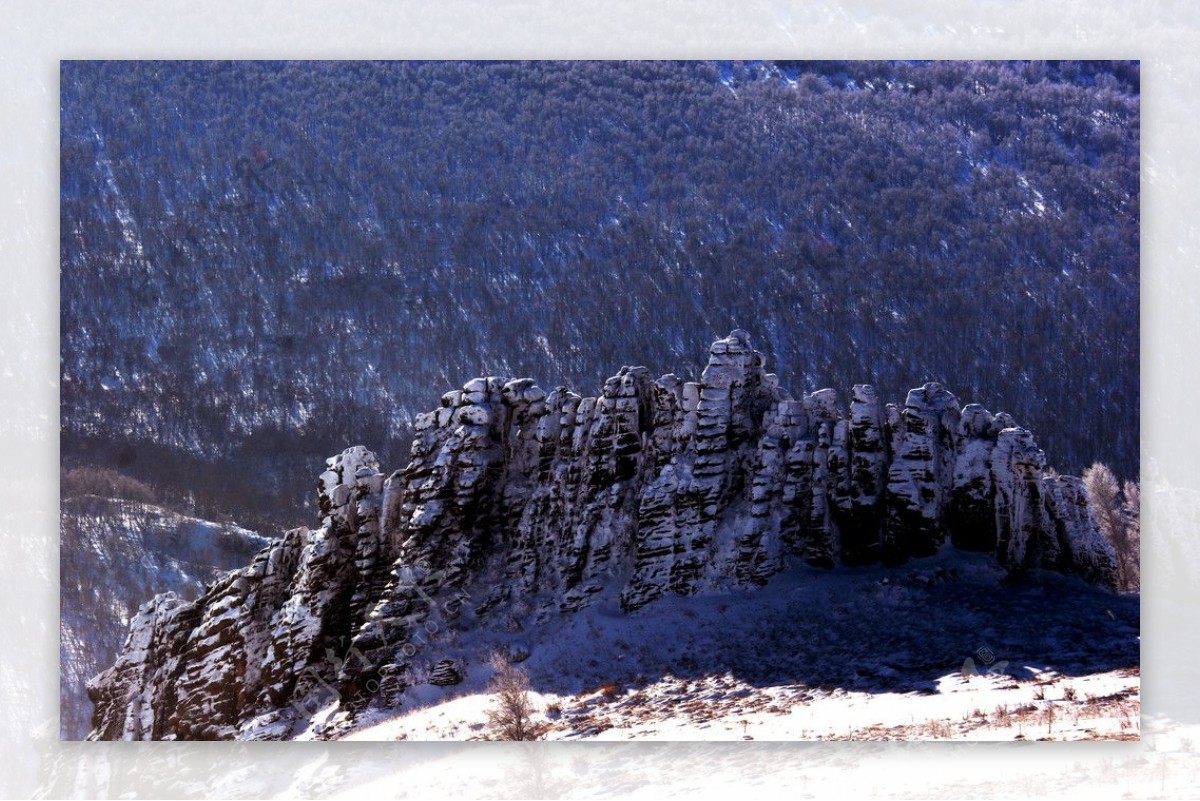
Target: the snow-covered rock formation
(521, 504)
(113, 554)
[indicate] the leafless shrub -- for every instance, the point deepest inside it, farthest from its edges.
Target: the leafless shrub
(1128, 721)
(512, 714)
(939, 729)
(1131, 509)
(609, 689)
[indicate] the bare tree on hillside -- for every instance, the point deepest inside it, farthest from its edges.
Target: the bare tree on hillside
(1132, 509)
(1118, 520)
(512, 714)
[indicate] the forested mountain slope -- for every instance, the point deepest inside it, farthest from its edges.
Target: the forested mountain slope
(264, 261)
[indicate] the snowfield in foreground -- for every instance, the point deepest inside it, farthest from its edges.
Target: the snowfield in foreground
(1104, 706)
(938, 648)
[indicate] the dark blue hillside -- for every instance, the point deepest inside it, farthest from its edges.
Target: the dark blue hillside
(265, 262)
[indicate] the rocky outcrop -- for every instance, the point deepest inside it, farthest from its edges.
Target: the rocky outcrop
(859, 505)
(518, 504)
(971, 514)
(446, 673)
(1081, 548)
(125, 551)
(919, 477)
(260, 649)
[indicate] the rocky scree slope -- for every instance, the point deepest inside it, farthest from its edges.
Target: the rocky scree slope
(523, 504)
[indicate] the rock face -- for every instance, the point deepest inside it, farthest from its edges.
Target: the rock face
(124, 551)
(519, 503)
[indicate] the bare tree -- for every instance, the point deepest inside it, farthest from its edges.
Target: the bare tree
(512, 715)
(1132, 509)
(1113, 517)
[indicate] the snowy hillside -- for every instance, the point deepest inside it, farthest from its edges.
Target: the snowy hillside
(114, 555)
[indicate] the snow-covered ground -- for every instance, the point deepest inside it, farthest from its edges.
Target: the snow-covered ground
(939, 648)
(1103, 706)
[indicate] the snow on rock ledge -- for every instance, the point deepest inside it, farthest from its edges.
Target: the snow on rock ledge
(520, 502)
